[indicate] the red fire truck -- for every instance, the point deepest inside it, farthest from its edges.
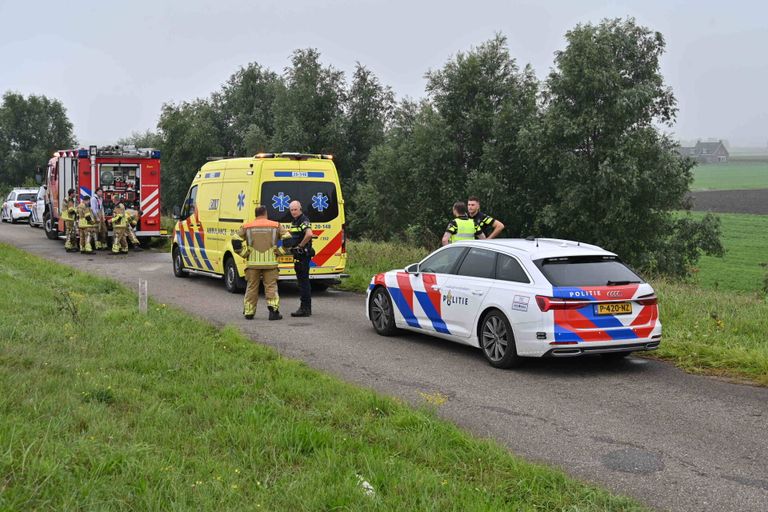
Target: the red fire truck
(126, 174)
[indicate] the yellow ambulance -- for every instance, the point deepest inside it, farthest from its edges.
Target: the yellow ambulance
(224, 195)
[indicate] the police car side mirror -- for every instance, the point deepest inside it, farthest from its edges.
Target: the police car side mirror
(176, 212)
(412, 269)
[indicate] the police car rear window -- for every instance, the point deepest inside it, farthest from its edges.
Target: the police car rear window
(27, 197)
(318, 199)
(587, 271)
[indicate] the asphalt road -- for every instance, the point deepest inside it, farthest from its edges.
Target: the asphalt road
(638, 427)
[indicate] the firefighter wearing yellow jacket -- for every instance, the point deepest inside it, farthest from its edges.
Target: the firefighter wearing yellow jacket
(257, 241)
(68, 215)
(120, 222)
(86, 224)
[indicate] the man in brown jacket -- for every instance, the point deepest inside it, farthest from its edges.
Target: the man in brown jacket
(257, 242)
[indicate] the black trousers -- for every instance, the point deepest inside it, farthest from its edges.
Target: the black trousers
(301, 266)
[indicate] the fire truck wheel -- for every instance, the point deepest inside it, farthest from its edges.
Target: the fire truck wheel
(178, 264)
(50, 229)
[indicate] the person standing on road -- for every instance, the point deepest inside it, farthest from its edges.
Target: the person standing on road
(461, 227)
(85, 223)
(68, 215)
(301, 247)
(257, 241)
(120, 228)
(490, 227)
(97, 208)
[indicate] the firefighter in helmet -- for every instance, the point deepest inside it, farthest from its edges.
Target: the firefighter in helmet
(133, 219)
(120, 221)
(86, 222)
(68, 215)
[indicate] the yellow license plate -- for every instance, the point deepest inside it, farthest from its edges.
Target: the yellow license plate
(614, 308)
(285, 259)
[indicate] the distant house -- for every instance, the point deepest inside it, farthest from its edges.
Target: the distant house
(706, 152)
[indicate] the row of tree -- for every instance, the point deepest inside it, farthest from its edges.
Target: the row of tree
(31, 129)
(579, 155)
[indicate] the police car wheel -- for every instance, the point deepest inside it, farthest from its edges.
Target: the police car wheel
(498, 341)
(381, 312)
(178, 264)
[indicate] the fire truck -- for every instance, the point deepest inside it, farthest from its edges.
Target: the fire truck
(126, 174)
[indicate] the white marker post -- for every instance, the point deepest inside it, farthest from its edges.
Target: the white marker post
(143, 296)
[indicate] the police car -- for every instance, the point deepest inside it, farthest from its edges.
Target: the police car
(18, 205)
(516, 298)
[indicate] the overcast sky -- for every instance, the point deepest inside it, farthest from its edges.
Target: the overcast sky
(114, 64)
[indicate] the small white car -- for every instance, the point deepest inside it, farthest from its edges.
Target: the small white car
(516, 298)
(18, 205)
(36, 216)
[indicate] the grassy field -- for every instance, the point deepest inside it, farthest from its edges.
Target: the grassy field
(705, 330)
(102, 408)
(731, 176)
(745, 265)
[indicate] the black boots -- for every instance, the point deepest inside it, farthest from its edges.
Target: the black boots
(302, 311)
(274, 314)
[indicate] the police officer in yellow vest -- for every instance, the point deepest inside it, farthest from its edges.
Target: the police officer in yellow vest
(257, 241)
(461, 227)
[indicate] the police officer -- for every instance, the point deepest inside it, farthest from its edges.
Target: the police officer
(257, 242)
(301, 247)
(68, 215)
(120, 221)
(86, 221)
(491, 227)
(461, 227)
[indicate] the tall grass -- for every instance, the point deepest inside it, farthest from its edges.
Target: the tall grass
(102, 408)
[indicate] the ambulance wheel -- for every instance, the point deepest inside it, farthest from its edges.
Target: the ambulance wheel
(381, 312)
(178, 264)
(497, 340)
(232, 280)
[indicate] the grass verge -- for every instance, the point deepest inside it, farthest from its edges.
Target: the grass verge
(708, 331)
(105, 409)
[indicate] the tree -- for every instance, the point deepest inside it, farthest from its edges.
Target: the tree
(190, 136)
(369, 108)
(31, 129)
(148, 139)
(607, 174)
(308, 109)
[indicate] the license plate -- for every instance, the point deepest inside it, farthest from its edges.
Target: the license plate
(614, 308)
(285, 259)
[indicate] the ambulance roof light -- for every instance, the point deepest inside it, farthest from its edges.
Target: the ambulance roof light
(264, 155)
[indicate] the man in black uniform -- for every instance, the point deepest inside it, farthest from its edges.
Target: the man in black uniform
(490, 227)
(301, 246)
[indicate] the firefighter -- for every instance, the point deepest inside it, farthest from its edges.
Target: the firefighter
(461, 227)
(491, 227)
(100, 223)
(257, 242)
(120, 228)
(68, 215)
(85, 224)
(301, 247)
(133, 219)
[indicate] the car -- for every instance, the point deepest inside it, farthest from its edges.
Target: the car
(18, 205)
(36, 218)
(518, 298)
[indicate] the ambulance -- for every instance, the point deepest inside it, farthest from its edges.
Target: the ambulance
(225, 193)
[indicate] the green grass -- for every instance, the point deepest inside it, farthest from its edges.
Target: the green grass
(705, 330)
(745, 265)
(102, 408)
(731, 176)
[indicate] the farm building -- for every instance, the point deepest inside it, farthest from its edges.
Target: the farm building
(706, 152)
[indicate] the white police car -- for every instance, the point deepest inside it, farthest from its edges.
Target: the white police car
(18, 205)
(517, 298)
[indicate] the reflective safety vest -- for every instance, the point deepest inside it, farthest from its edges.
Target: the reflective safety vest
(68, 214)
(83, 212)
(260, 238)
(120, 221)
(466, 230)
